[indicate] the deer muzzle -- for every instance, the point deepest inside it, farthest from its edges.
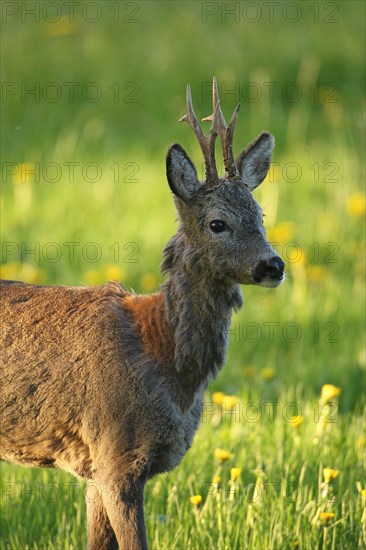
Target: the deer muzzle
(270, 272)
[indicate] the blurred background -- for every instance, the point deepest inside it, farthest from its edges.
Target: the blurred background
(91, 97)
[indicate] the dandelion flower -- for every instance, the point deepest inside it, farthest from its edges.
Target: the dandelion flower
(218, 397)
(217, 480)
(22, 272)
(296, 421)
(222, 455)
(296, 256)
(230, 401)
(31, 274)
(91, 277)
(114, 272)
(195, 500)
(316, 273)
(326, 517)
(148, 282)
(10, 270)
(235, 473)
(268, 373)
(356, 204)
(329, 474)
(329, 392)
(283, 232)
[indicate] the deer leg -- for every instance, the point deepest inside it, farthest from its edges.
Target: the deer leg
(124, 505)
(100, 533)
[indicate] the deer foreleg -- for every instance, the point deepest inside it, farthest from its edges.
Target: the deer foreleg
(123, 503)
(100, 533)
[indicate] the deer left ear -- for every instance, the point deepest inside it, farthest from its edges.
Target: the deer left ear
(253, 163)
(181, 173)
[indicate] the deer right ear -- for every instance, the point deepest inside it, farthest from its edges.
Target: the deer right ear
(181, 173)
(254, 162)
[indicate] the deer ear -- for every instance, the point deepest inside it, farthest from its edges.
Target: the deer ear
(253, 163)
(181, 173)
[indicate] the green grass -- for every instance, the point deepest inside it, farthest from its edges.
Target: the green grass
(285, 343)
(280, 509)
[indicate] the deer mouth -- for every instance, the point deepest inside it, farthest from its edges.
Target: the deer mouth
(271, 283)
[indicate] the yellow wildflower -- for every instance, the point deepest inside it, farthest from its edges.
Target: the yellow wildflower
(218, 397)
(230, 401)
(222, 455)
(235, 473)
(329, 474)
(20, 271)
(217, 480)
(363, 494)
(356, 204)
(295, 256)
(114, 272)
(31, 274)
(283, 232)
(296, 421)
(10, 270)
(329, 392)
(148, 282)
(316, 273)
(91, 277)
(268, 373)
(326, 517)
(195, 500)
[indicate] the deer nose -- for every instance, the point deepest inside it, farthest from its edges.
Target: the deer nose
(269, 269)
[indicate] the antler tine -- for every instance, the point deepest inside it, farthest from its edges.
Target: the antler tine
(216, 101)
(226, 132)
(207, 144)
(229, 159)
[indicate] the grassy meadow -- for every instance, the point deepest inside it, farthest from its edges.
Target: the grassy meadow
(91, 96)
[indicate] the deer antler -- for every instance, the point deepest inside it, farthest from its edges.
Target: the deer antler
(207, 144)
(226, 132)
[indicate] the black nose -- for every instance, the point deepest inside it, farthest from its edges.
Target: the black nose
(269, 269)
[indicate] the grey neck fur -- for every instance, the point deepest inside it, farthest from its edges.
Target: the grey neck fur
(199, 309)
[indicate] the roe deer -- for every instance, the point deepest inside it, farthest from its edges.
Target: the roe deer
(107, 384)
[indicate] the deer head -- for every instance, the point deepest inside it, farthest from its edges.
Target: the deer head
(221, 222)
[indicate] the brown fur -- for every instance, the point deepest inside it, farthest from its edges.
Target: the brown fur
(150, 320)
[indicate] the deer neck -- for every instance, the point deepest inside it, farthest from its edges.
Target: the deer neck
(199, 310)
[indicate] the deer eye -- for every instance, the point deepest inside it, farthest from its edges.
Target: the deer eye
(217, 226)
